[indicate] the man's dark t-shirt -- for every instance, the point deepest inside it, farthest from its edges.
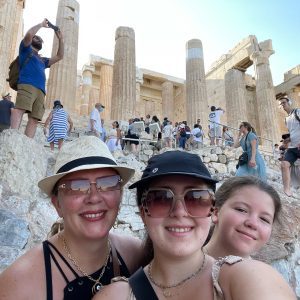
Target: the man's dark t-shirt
(5, 106)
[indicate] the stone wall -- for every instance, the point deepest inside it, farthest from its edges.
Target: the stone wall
(26, 214)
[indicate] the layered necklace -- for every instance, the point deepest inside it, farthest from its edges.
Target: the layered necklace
(97, 284)
(166, 289)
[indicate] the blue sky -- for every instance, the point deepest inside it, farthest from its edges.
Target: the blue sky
(162, 28)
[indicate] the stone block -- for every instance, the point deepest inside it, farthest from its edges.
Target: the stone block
(214, 157)
(222, 158)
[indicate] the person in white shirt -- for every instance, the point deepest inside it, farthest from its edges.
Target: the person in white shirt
(293, 152)
(168, 134)
(95, 125)
(196, 139)
(215, 130)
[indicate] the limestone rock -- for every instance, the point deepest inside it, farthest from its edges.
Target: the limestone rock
(206, 159)
(214, 157)
(22, 161)
(222, 158)
(13, 230)
(220, 168)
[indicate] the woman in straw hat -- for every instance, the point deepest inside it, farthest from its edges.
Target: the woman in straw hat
(86, 191)
(176, 201)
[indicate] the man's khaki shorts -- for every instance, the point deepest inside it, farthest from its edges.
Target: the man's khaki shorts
(32, 100)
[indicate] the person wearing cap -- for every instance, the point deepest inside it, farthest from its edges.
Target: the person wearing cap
(292, 122)
(95, 125)
(60, 125)
(6, 107)
(32, 78)
(176, 199)
(86, 191)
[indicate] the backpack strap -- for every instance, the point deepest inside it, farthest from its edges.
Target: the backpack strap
(141, 286)
(296, 111)
(25, 62)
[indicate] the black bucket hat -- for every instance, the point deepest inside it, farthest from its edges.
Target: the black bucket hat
(175, 163)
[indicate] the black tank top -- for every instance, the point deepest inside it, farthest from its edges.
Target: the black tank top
(81, 286)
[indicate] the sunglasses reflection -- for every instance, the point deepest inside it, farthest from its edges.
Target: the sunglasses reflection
(160, 202)
(83, 186)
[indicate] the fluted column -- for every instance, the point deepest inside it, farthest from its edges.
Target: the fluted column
(87, 77)
(62, 76)
(106, 75)
(168, 100)
(124, 76)
(18, 30)
(196, 94)
(10, 18)
(265, 94)
(235, 97)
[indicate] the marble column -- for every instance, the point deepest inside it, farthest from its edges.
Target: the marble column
(106, 75)
(124, 75)
(10, 20)
(265, 95)
(168, 100)
(196, 94)
(236, 105)
(62, 76)
(140, 104)
(87, 78)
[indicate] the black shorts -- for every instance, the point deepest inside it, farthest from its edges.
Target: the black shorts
(291, 155)
(133, 136)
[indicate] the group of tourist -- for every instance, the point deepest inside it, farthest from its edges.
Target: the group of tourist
(178, 203)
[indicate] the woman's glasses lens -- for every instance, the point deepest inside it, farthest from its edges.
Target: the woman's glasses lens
(83, 186)
(160, 202)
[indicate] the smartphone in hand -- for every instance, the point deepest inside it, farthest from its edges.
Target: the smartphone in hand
(54, 27)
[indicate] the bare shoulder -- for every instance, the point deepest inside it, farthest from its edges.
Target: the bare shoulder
(25, 278)
(114, 291)
(252, 279)
(130, 248)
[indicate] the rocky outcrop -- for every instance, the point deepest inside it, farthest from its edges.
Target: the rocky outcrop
(26, 214)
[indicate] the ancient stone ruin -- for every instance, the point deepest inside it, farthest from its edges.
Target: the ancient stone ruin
(127, 91)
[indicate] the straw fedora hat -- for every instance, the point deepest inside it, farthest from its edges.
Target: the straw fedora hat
(84, 153)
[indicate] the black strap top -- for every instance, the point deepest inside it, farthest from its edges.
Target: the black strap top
(81, 286)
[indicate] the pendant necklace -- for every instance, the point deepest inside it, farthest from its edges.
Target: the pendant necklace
(97, 284)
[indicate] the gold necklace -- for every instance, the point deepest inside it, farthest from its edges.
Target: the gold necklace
(166, 288)
(97, 284)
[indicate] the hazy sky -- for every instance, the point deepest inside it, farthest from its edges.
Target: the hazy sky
(162, 28)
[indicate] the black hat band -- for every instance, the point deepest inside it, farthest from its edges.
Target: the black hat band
(90, 160)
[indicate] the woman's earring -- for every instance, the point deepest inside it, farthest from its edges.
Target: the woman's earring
(59, 222)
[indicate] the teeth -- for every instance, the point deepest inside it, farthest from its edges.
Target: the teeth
(91, 216)
(176, 229)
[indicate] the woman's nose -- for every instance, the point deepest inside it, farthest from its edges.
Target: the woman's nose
(179, 209)
(251, 222)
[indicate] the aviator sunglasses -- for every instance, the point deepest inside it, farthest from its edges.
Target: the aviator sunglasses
(77, 187)
(160, 202)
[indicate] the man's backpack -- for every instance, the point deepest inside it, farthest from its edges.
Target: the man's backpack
(14, 70)
(182, 132)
